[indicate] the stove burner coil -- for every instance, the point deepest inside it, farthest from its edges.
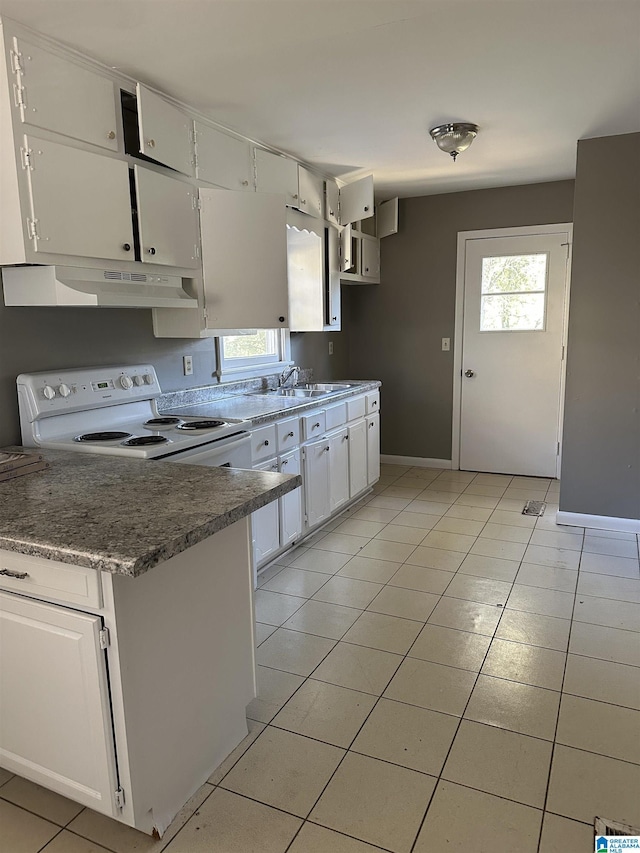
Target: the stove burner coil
(162, 422)
(142, 440)
(205, 424)
(106, 435)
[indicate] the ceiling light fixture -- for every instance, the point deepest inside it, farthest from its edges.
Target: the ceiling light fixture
(455, 137)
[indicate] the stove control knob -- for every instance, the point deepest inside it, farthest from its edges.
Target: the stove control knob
(148, 378)
(126, 382)
(64, 390)
(138, 380)
(49, 392)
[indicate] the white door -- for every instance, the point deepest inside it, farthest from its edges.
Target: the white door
(57, 94)
(291, 503)
(275, 174)
(95, 219)
(166, 133)
(222, 159)
(373, 448)
(356, 201)
(265, 523)
(357, 457)
(512, 352)
(338, 469)
(316, 481)
(54, 701)
(167, 219)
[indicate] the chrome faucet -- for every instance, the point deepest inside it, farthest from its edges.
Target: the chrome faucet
(287, 374)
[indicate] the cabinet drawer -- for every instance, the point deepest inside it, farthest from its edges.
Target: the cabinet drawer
(336, 416)
(313, 424)
(50, 579)
(288, 434)
(263, 442)
(356, 408)
(373, 402)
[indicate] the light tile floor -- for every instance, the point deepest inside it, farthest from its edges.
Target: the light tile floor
(436, 670)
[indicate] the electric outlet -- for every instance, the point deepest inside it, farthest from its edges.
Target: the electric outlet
(187, 365)
(330, 347)
(446, 344)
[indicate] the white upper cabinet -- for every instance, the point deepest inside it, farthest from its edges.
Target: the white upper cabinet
(223, 160)
(166, 133)
(80, 202)
(370, 257)
(387, 218)
(167, 219)
(276, 174)
(310, 193)
(332, 202)
(60, 95)
(356, 200)
(305, 274)
(244, 259)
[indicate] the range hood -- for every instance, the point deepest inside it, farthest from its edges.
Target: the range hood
(80, 287)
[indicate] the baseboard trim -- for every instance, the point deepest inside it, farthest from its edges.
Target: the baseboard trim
(599, 522)
(415, 461)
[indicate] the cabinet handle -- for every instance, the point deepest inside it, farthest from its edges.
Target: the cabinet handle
(152, 250)
(366, 210)
(245, 183)
(111, 134)
(289, 435)
(366, 269)
(371, 425)
(295, 195)
(375, 403)
(303, 201)
(126, 247)
(334, 319)
(327, 449)
(266, 442)
(281, 319)
(315, 426)
(152, 144)
(331, 213)
(20, 576)
(345, 438)
(285, 461)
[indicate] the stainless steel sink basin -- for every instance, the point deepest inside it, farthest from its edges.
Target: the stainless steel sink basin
(311, 389)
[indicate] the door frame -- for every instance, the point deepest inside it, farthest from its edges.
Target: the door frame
(487, 234)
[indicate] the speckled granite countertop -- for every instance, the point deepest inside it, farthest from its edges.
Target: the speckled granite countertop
(207, 402)
(125, 515)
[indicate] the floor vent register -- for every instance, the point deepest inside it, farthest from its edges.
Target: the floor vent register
(534, 508)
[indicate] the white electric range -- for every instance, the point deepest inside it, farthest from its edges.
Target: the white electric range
(113, 410)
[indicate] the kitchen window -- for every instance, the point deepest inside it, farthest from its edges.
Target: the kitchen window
(253, 354)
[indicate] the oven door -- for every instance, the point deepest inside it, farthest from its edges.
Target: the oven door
(232, 452)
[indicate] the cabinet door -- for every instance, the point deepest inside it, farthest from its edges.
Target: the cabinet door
(373, 449)
(222, 159)
(80, 202)
(338, 469)
(265, 524)
(311, 192)
(166, 133)
(244, 259)
(291, 503)
(276, 174)
(59, 95)
(316, 482)
(356, 201)
(54, 701)
(305, 274)
(358, 479)
(387, 218)
(332, 278)
(332, 202)
(371, 258)
(347, 259)
(167, 220)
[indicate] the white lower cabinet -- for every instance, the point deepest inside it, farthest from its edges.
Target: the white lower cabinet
(338, 469)
(265, 523)
(316, 481)
(54, 701)
(358, 480)
(290, 505)
(373, 448)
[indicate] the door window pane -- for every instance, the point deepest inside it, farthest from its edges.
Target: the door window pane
(513, 293)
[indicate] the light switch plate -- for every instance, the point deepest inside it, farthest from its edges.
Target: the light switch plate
(446, 344)
(187, 365)
(330, 347)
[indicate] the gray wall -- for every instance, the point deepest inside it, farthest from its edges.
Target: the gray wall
(396, 328)
(601, 443)
(34, 339)
(311, 349)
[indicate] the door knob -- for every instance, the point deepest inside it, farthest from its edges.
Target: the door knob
(469, 373)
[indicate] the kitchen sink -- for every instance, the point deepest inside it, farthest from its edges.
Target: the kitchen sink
(311, 389)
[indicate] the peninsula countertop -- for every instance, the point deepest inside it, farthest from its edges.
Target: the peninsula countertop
(125, 515)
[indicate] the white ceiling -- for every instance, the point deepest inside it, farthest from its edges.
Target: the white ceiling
(356, 84)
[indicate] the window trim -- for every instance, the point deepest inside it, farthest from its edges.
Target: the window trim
(258, 366)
